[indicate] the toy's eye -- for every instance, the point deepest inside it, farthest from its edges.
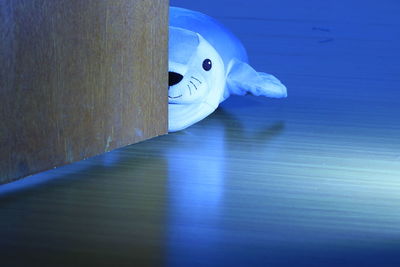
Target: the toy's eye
(207, 64)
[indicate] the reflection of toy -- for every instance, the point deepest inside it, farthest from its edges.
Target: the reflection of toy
(207, 63)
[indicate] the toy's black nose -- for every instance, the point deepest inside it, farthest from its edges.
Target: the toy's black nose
(174, 78)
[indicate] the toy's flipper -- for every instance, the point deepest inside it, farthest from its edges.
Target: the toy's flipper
(243, 79)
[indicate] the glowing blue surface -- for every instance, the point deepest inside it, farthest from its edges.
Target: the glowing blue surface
(341, 61)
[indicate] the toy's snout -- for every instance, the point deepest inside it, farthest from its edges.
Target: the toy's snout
(174, 78)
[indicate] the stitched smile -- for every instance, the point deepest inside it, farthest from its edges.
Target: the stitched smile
(173, 97)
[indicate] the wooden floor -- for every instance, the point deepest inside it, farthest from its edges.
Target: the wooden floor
(312, 180)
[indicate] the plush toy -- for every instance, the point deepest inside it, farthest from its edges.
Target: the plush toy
(207, 64)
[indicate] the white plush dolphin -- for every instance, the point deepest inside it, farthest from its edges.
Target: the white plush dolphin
(207, 64)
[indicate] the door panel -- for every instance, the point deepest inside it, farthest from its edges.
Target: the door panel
(79, 78)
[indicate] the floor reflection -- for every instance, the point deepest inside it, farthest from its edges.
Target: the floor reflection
(199, 164)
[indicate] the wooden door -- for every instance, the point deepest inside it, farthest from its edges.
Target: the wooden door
(79, 78)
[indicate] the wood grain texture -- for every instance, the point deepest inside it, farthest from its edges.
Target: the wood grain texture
(79, 78)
